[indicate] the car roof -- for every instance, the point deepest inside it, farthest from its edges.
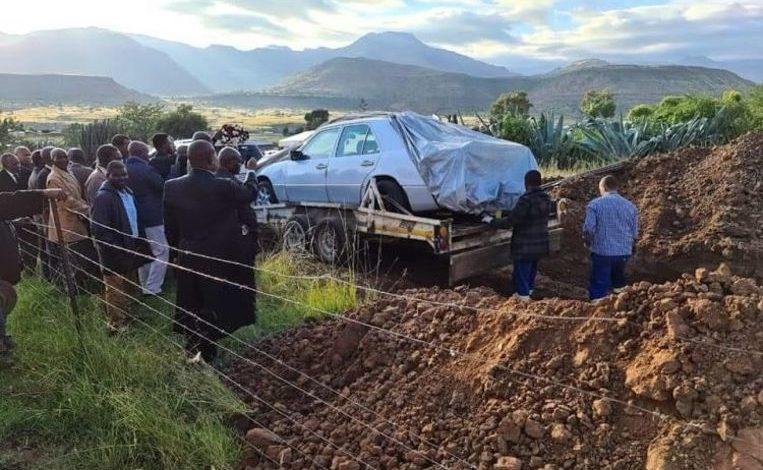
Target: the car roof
(360, 117)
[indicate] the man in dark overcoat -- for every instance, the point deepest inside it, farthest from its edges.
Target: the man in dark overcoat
(201, 216)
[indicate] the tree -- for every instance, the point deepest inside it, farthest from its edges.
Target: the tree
(7, 127)
(182, 122)
(755, 102)
(89, 137)
(363, 105)
(515, 128)
(140, 121)
(516, 103)
(640, 112)
(598, 104)
(315, 118)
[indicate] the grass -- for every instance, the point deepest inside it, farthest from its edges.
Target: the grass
(132, 401)
(309, 297)
(128, 402)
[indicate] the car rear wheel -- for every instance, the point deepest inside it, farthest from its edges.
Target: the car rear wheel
(296, 234)
(330, 242)
(394, 197)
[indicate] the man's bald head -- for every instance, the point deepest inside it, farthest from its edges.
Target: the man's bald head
(138, 149)
(201, 155)
(76, 155)
(230, 159)
(9, 162)
(23, 154)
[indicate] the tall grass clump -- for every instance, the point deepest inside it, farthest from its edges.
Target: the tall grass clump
(127, 401)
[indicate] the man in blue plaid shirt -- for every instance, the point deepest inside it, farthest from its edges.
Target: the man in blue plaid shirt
(610, 230)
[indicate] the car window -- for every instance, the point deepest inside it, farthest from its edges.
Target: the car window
(352, 140)
(357, 139)
(370, 146)
(322, 145)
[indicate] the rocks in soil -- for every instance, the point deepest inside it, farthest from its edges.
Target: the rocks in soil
(506, 389)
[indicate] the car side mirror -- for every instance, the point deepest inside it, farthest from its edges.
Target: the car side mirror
(297, 155)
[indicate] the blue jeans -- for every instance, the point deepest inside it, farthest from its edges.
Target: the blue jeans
(607, 273)
(523, 275)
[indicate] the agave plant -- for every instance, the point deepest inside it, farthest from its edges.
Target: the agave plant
(551, 142)
(607, 141)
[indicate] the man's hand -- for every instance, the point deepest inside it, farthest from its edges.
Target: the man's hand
(55, 193)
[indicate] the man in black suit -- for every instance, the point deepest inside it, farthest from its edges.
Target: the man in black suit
(201, 216)
(9, 173)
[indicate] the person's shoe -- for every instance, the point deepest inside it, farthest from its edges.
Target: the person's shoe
(523, 298)
(115, 329)
(196, 359)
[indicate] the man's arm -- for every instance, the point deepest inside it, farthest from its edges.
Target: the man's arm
(71, 203)
(25, 203)
(515, 217)
(154, 179)
(171, 226)
(103, 212)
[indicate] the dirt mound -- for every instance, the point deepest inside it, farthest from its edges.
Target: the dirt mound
(698, 207)
(668, 377)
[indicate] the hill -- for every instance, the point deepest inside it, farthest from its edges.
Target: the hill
(425, 90)
(94, 51)
(33, 90)
(225, 69)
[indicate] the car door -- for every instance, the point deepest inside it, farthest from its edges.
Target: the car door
(356, 156)
(307, 177)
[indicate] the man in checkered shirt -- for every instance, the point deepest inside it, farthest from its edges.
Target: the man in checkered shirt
(610, 230)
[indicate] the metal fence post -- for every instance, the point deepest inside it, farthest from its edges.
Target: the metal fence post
(71, 285)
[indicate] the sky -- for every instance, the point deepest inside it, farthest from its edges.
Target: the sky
(503, 32)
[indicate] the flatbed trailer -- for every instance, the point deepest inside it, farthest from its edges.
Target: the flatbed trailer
(329, 230)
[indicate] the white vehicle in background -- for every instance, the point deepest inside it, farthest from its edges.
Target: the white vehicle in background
(337, 162)
(357, 178)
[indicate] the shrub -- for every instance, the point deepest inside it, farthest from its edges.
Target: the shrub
(140, 121)
(516, 103)
(597, 104)
(640, 112)
(315, 118)
(182, 122)
(89, 137)
(515, 128)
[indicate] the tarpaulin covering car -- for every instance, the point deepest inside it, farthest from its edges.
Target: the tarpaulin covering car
(465, 170)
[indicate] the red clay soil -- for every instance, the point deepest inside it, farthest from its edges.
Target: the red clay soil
(498, 391)
(698, 207)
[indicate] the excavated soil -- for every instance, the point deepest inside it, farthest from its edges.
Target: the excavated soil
(661, 376)
(698, 207)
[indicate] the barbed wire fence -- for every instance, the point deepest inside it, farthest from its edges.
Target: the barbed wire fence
(363, 413)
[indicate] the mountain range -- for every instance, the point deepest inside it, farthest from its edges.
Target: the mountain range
(33, 90)
(396, 86)
(388, 70)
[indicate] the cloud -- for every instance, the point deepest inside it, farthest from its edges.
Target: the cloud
(463, 27)
(244, 23)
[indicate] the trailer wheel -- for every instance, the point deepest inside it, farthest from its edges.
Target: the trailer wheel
(265, 193)
(394, 197)
(330, 242)
(296, 234)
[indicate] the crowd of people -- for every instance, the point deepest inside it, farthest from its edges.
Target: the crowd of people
(125, 219)
(133, 213)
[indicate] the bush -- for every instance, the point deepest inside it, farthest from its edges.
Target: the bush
(315, 118)
(182, 122)
(598, 104)
(640, 112)
(516, 103)
(140, 121)
(89, 137)
(515, 128)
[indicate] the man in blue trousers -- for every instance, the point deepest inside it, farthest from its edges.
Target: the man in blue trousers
(529, 239)
(610, 230)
